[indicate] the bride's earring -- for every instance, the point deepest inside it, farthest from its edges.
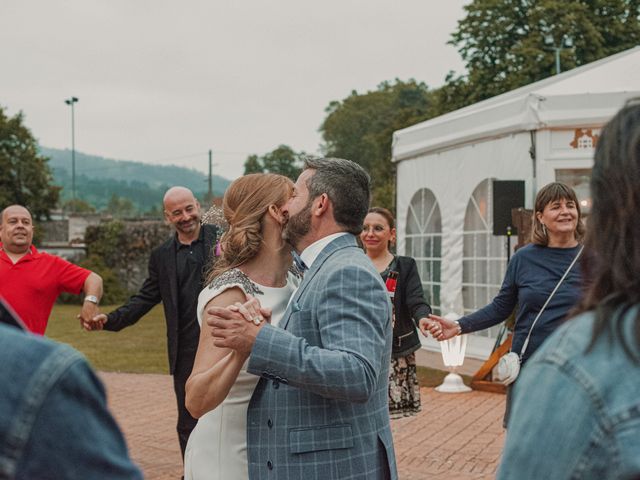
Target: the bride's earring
(544, 229)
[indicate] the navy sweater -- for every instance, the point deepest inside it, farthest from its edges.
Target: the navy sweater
(532, 274)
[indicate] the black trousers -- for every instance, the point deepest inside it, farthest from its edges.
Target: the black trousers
(186, 423)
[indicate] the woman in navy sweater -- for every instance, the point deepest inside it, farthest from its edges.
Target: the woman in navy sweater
(532, 274)
(409, 307)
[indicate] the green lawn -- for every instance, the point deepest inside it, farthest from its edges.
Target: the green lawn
(141, 348)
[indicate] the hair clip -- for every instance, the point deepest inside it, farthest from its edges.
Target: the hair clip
(215, 216)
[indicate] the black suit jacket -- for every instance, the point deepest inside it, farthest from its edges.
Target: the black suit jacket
(160, 286)
(410, 306)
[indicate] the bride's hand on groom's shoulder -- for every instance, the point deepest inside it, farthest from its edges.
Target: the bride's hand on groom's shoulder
(252, 311)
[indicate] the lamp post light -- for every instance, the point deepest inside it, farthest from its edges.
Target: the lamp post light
(71, 101)
(566, 42)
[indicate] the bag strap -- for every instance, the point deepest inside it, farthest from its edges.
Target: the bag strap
(526, 342)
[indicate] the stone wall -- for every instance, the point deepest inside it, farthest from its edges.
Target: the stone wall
(125, 247)
(78, 224)
(54, 231)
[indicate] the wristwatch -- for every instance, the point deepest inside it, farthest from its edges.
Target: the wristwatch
(91, 298)
(459, 327)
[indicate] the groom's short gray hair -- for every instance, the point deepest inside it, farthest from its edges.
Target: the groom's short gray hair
(346, 184)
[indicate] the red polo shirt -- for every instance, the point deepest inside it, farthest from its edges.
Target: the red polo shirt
(33, 283)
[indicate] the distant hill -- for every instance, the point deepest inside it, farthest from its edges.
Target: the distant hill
(98, 178)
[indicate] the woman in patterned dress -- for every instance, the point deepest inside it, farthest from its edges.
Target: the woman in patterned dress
(409, 304)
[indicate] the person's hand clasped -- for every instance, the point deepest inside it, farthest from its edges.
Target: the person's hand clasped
(424, 325)
(96, 322)
(430, 327)
(90, 318)
(440, 328)
(252, 311)
(237, 326)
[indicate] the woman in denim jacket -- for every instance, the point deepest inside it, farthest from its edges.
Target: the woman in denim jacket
(54, 419)
(576, 411)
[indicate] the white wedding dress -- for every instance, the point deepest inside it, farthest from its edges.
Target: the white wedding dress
(217, 447)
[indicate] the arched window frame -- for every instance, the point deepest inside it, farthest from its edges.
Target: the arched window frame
(423, 242)
(484, 257)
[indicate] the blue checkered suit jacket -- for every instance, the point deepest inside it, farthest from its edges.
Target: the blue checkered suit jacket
(320, 409)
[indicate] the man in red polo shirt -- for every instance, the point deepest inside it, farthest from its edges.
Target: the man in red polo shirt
(30, 281)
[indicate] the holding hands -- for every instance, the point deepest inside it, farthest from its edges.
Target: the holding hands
(91, 320)
(237, 326)
(440, 328)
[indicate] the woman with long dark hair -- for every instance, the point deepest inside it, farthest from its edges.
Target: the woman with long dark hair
(576, 410)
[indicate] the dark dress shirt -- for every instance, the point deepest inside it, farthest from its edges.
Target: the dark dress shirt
(190, 266)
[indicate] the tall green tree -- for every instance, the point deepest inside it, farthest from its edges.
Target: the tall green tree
(503, 42)
(120, 207)
(360, 128)
(253, 165)
(282, 160)
(26, 178)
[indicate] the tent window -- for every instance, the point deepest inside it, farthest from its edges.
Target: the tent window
(484, 256)
(578, 179)
(424, 243)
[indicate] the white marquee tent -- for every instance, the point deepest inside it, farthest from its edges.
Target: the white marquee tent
(539, 133)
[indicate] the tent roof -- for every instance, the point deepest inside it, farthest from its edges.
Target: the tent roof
(583, 96)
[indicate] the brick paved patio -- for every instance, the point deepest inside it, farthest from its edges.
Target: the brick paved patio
(456, 436)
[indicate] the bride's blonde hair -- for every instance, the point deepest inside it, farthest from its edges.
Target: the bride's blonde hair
(244, 205)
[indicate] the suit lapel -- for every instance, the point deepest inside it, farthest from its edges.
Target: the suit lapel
(339, 243)
(172, 273)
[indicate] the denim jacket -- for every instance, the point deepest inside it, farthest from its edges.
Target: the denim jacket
(54, 422)
(576, 414)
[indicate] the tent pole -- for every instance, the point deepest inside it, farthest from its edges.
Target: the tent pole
(532, 154)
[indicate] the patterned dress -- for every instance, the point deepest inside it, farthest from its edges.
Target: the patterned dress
(404, 390)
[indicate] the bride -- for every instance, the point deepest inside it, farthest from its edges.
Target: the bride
(254, 261)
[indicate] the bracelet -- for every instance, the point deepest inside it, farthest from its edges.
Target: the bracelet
(91, 298)
(459, 327)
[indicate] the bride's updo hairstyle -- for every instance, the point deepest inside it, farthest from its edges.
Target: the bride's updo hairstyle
(244, 205)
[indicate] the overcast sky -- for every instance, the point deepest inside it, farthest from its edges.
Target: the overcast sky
(161, 81)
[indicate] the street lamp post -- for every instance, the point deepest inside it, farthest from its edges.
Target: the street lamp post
(566, 42)
(71, 101)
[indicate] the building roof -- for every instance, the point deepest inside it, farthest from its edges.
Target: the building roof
(585, 96)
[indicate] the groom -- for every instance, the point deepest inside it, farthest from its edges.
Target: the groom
(320, 409)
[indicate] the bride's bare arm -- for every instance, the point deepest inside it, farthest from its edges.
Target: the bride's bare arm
(215, 369)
